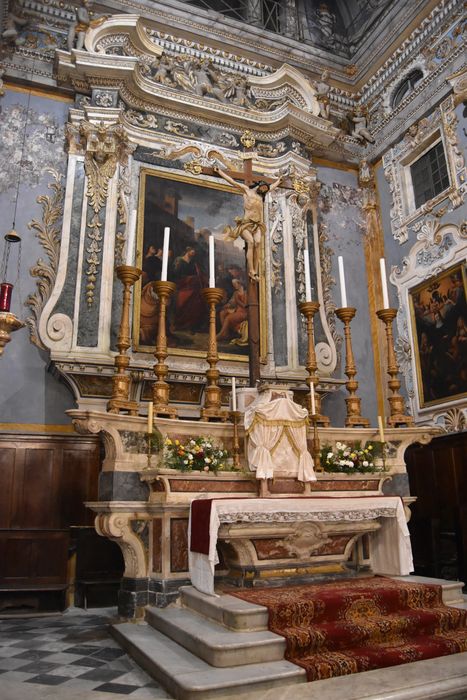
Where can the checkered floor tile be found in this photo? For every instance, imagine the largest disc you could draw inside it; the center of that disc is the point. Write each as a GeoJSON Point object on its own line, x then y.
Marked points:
{"type": "Point", "coordinates": [72, 651]}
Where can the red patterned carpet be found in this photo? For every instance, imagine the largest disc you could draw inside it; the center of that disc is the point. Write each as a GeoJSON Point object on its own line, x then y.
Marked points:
{"type": "Point", "coordinates": [357, 625]}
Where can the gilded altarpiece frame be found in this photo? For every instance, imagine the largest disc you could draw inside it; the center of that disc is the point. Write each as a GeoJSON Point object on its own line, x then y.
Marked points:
{"type": "Point", "coordinates": [192, 208]}
{"type": "Point", "coordinates": [438, 311]}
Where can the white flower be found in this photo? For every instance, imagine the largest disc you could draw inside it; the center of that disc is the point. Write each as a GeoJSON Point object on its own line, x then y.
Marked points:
{"type": "Point", "coordinates": [349, 463]}
{"type": "Point", "coordinates": [342, 462]}
{"type": "Point", "coordinates": [365, 463]}
{"type": "Point", "coordinates": [329, 455]}
{"type": "Point", "coordinates": [190, 456]}
{"type": "Point", "coordinates": [346, 453]}
{"type": "Point", "coordinates": [185, 461]}
{"type": "Point", "coordinates": [192, 442]}
{"type": "Point", "coordinates": [340, 446]}
{"type": "Point", "coordinates": [207, 460]}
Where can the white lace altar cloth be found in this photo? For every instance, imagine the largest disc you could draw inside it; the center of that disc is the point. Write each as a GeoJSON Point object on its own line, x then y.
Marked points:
{"type": "Point", "coordinates": [276, 437]}
{"type": "Point", "coordinates": [391, 551]}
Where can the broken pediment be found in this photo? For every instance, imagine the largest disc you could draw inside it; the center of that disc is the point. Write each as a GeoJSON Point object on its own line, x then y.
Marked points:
{"type": "Point", "coordinates": [124, 52]}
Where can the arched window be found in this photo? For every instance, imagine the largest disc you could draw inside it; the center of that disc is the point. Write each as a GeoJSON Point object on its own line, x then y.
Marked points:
{"type": "Point", "coordinates": [406, 86]}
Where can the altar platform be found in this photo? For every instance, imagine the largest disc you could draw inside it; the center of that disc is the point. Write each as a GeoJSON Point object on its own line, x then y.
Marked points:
{"type": "Point", "coordinates": [205, 647]}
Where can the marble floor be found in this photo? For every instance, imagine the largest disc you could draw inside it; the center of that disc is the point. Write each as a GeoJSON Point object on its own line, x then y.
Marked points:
{"type": "Point", "coordinates": [73, 657]}
{"type": "Point", "coordinates": [70, 657]}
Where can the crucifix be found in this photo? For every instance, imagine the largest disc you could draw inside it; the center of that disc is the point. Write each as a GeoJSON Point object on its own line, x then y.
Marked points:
{"type": "Point", "coordinates": [251, 228]}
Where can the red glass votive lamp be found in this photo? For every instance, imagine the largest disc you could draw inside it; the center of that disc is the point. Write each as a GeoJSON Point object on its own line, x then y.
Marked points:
{"type": "Point", "coordinates": [5, 296]}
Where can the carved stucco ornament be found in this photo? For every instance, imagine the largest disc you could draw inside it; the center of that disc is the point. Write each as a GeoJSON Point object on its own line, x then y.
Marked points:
{"type": "Point", "coordinates": [104, 147]}
{"type": "Point", "coordinates": [48, 234]}
{"type": "Point", "coordinates": [442, 122]}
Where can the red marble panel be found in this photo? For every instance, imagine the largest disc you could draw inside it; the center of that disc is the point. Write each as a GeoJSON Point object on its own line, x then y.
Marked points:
{"type": "Point", "coordinates": [157, 545]}
{"type": "Point", "coordinates": [344, 485]}
{"type": "Point", "coordinates": [211, 485]}
{"type": "Point", "coordinates": [286, 486]}
{"type": "Point", "coordinates": [178, 544]}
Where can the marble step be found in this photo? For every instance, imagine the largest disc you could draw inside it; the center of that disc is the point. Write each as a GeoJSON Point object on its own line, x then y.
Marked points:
{"type": "Point", "coordinates": [229, 611]}
{"type": "Point", "coordinates": [214, 643]}
{"type": "Point", "coordinates": [452, 590]}
{"type": "Point", "coordinates": [187, 677]}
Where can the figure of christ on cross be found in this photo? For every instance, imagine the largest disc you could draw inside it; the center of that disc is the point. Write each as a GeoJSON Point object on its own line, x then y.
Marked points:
{"type": "Point", "coordinates": [251, 227]}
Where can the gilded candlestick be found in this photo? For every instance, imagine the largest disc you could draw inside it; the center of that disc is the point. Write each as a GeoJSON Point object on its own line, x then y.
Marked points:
{"type": "Point", "coordinates": [120, 401]}
{"type": "Point", "coordinates": [353, 402]}
{"type": "Point", "coordinates": [8, 323]}
{"type": "Point", "coordinates": [308, 309]}
{"type": "Point", "coordinates": [235, 418]}
{"type": "Point", "coordinates": [396, 401]}
{"type": "Point", "coordinates": [161, 389]}
{"type": "Point", "coordinates": [212, 404]}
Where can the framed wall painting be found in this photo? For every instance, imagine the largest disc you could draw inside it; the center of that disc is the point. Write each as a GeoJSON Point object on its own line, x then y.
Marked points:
{"type": "Point", "coordinates": [438, 309]}
{"type": "Point", "coordinates": [193, 208]}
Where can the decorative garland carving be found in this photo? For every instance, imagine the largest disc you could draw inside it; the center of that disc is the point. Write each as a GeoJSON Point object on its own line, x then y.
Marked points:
{"type": "Point", "coordinates": [49, 237]}
{"type": "Point", "coordinates": [328, 281]}
{"type": "Point", "coordinates": [124, 192]}
{"type": "Point", "coordinates": [104, 147]}
{"type": "Point", "coordinates": [93, 257]}
{"type": "Point", "coordinates": [276, 223]}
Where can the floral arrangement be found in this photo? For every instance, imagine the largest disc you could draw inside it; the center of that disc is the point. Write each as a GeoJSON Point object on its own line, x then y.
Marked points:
{"type": "Point", "coordinates": [352, 459]}
{"type": "Point", "coordinates": [197, 454]}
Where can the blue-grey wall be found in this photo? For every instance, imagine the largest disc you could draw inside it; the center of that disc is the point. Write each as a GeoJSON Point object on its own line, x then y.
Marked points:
{"type": "Point", "coordinates": [30, 394]}
{"type": "Point", "coordinates": [340, 210]}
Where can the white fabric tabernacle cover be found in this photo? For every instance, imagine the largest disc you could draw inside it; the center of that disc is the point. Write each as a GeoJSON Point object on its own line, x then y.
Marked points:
{"type": "Point", "coordinates": [276, 437]}
{"type": "Point", "coordinates": [391, 551]}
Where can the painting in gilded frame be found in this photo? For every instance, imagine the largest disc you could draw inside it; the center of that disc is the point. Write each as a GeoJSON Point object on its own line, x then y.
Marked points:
{"type": "Point", "coordinates": [438, 309]}
{"type": "Point", "coordinates": [192, 209]}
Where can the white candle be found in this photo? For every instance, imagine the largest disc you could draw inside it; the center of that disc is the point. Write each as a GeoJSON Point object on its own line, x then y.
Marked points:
{"type": "Point", "coordinates": [150, 417]}
{"type": "Point", "coordinates": [306, 263]}
{"type": "Point", "coordinates": [212, 276]}
{"type": "Point", "coordinates": [130, 238]}
{"type": "Point", "coordinates": [340, 262]}
{"type": "Point", "coordinates": [165, 254]}
{"type": "Point", "coordinates": [384, 283]}
{"type": "Point", "coordinates": [380, 428]}
{"type": "Point", "coordinates": [234, 395]}
{"type": "Point", "coordinates": [313, 403]}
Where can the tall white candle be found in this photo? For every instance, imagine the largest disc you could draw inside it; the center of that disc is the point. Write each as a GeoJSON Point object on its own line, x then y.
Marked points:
{"type": "Point", "coordinates": [384, 283]}
{"type": "Point", "coordinates": [212, 276]}
{"type": "Point", "coordinates": [165, 254]}
{"type": "Point", "coordinates": [313, 403]}
{"type": "Point", "coordinates": [306, 263]}
{"type": "Point", "coordinates": [150, 416]}
{"type": "Point", "coordinates": [380, 428]}
{"type": "Point", "coordinates": [340, 262]}
{"type": "Point", "coordinates": [234, 395]}
{"type": "Point", "coordinates": [130, 239]}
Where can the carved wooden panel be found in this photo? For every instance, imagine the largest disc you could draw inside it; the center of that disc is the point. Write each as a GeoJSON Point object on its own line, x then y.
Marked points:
{"type": "Point", "coordinates": [44, 481]}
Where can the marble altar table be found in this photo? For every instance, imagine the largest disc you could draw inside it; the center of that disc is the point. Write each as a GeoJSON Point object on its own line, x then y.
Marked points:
{"type": "Point", "coordinates": [391, 552]}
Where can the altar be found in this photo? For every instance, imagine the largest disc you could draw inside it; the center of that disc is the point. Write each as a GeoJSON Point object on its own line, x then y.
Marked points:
{"type": "Point", "coordinates": [243, 522]}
